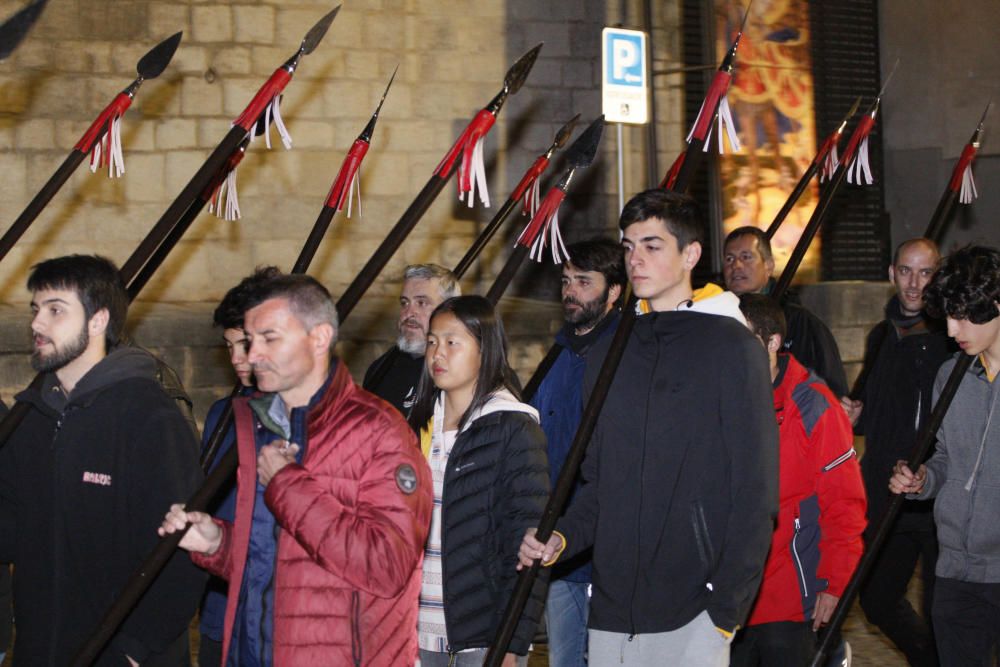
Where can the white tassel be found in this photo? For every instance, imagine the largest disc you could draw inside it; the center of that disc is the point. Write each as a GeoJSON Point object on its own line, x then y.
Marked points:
{"type": "Point", "coordinates": [273, 110]}
{"type": "Point", "coordinates": [532, 198]}
{"type": "Point", "coordinates": [478, 167]}
{"type": "Point", "coordinates": [559, 252]}
{"type": "Point", "coordinates": [232, 199]}
{"type": "Point", "coordinates": [968, 192]}
{"type": "Point", "coordinates": [352, 187]}
{"type": "Point", "coordinates": [860, 168]}
{"type": "Point", "coordinates": [726, 123]}
{"type": "Point", "coordinates": [695, 124]}
{"type": "Point", "coordinates": [830, 165]}
{"type": "Point", "coordinates": [116, 165]}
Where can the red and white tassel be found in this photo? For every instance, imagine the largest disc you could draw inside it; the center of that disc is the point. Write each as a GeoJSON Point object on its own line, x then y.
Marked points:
{"type": "Point", "coordinates": [726, 126]}
{"type": "Point", "coordinates": [830, 164]}
{"type": "Point", "coordinates": [225, 202]}
{"type": "Point", "coordinates": [859, 167]}
{"type": "Point", "coordinates": [532, 199]}
{"type": "Point", "coordinates": [352, 189]}
{"type": "Point", "coordinates": [273, 111]}
{"type": "Point", "coordinates": [473, 172]}
{"type": "Point", "coordinates": [108, 151]}
{"type": "Point", "coordinates": [968, 192]}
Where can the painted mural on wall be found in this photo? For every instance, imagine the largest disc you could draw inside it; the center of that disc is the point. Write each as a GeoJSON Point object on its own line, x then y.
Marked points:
{"type": "Point", "coordinates": [771, 97]}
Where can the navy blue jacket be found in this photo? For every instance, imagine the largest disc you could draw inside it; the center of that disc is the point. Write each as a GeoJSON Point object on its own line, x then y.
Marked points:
{"type": "Point", "coordinates": [559, 401]}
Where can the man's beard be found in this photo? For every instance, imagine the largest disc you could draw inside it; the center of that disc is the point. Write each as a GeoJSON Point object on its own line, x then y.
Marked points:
{"type": "Point", "coordinates": [415, 347]}
{"type": "Point", "coordinates": [61, 357]}
{"type": "Point", "coordinates": [590, 313]}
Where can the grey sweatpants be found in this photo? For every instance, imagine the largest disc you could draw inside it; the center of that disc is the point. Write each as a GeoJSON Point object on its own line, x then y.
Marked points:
{"type": "Point", "coordinates": [697, 644]}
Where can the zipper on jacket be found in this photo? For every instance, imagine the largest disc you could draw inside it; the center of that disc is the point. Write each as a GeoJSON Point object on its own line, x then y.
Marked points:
{"type": "Point", "coordinates": [638, 514]}
{"type": "Point", "coordinates": [798, 562]}
{"type": "Point", "coordinates": [356, 628]}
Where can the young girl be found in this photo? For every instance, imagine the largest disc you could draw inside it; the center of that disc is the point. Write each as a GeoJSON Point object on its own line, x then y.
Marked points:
{"type": "Point", "coordinates": [487, 455]}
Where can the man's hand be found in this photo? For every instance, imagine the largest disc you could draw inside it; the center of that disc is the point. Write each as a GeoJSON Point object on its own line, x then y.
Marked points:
{"type": "Point", "coordinates": [273, 458]}
{"type": "Point", "coordinates": [852, 408]}
{"type": "Point", "coordinates": [509, 660]}
{"type": "Point", "coordinates": [825, 604]}
{"type": "Point", "coordinates": [204, 537]}
{"type": "Point", "coordinates": [131, 661]}
{"type": "Point", "coordinates": [904, 481]}
{"type": "Point", "coordinates": [532, 549]}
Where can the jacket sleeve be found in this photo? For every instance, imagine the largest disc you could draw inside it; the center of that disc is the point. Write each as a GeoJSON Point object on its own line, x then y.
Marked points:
{"type": "Point", "coordinates": [750, 441]}
{"type": "Point", "coordinates": [164, 459]}
{"type": "Point", "coordinates": [841, 497]}
{"type": "Point", "coordinates": [8, 501]}
{"type": "Point", "coordinates": [373, 535]}
{"type": "Point", "coordinates": [220, 563]}
{"type": "Point", "coordinates": [522, 494]}
{"type": "Point", "coordinates": [876, 337]}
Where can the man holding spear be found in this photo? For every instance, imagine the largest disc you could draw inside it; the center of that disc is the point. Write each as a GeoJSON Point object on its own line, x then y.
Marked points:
{"type": "Point", "coordinates": [962, 475]}
{"type": "Point", "coordinates": [680, 482]}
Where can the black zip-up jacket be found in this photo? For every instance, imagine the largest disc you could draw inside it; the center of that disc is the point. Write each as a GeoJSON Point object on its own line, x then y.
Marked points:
{"type": "Point", "coordinates": [495, 487]}
{"type": "Point", "coordinates": [902, 358]}
{"type": "Point", "coordinates": [680, 480]}
{"type": "Point", "coordinates": [84, 484]}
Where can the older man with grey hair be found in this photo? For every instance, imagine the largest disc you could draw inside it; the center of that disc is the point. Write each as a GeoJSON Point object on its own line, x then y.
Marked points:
{"type": "Point", "coordinates": [394, 375]}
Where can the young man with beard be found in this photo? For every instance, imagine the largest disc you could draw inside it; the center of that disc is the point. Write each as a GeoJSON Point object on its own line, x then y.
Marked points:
{"type": "Point", "coordinates": [962, 475]}
{"type": "Point", "coordinates": [903, 355]}
{"type": "Point", "coordinates": [747, 265]}
{"type": "Point", "coordinates": [425, 286]}
{"type": "Point", "coordinates": [680, 481]}
{"type": "Point", "coordinates": [592, 283]}
{"type": "Point", "coordinates": [333, 502]}
{"type": "Point", "coordinates": [84, 477]}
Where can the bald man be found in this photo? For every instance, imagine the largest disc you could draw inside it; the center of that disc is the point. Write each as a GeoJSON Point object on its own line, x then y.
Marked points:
{"type": "Point", "coordinates": [903, 355]}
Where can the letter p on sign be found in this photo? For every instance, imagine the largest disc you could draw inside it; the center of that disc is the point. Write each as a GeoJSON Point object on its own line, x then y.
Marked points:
{"type": "Point", "coordinates": [625, 57]}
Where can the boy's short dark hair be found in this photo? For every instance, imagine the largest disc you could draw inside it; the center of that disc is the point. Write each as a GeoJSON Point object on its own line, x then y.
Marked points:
{"type": "Point", "coordinates": [97, 283]}
{"type": "Point", "coordinates": [764, 315]}
{"type": "Point", "coordinates": [966, 287]}
{"type": "Point", "coordinates": [602, 255]}
{"type": "Point", "coordinates": [230, 311]}
{"type": "Point", "coordinates": [680, 213]}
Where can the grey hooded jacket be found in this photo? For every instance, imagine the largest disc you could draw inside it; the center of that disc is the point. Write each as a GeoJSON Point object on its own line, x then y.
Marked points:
{"type": "Point", "coordinates": [964, 476]}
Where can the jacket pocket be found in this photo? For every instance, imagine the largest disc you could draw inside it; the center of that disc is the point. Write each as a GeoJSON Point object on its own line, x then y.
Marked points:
{"type": "Point", "coordinates": [356, 653]}
{"type": "Point", "coordinates": [702, 537]}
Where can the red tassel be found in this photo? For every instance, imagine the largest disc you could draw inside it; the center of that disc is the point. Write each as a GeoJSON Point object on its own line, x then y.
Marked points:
{"type": "Point", "coordinates": [105, 149]}
{"type": "Point", "coordinates": [271, 89]}
{"type": "Point", "coordinates": [702, 124]}
{"type": "Point", "coordinates": [340, 193]}
{"type": "Point", "coordinates": [527, 188]}
{"type": "Point", "coordinates": [468, 143]}
{"type": "Point", "coordinates": [540, 224]}
{"type": "Point", "coordinates": [961, 176]}
{"type": "Point", "coordinates": [675, 169]}
{"type": "Point", "coordinates": [862, 131]}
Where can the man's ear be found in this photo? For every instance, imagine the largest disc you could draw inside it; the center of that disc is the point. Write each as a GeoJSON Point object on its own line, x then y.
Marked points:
{"type": "Point", "coordinates": [892, 274]}
{"type": "Point", "coordinates": [690, 255]}
{"type": "Point", "coordinates": [774, 343]}
{"type": "Point", "coordinates": [321, 338]}
{"type": "Point", "coordinates": [614, 292]}
{"type": "Point", "coordinates": [98, 323]}
{"type": "Point", "coordinates": [769, 266]}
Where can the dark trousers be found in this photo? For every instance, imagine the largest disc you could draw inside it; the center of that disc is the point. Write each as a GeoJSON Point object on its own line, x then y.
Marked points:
{"type": "Point", "coordinates": [6, 613]}
{"type": "Point", "coordinates": [883, 594]}
{"type": "Point", "coordinates": [966, 622]}
{"type": "Point", "coordinates": [209, 653]}
{"type": "Point", "coordinates": [784, 644]}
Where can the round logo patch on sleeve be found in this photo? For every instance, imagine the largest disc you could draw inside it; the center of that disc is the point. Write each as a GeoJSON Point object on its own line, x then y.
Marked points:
{"type": "Point", "coordinates": [406, 478]}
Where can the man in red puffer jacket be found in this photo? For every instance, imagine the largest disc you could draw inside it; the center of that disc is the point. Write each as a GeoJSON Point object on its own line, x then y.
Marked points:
{"type": "Point", "coordinates": [821, 514]}
{"type": "Point", "coordinates": [333, 502]}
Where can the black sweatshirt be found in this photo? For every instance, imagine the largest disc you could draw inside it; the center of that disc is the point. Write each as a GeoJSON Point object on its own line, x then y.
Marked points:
{"type": "Point", "coordinates": [84, 484]}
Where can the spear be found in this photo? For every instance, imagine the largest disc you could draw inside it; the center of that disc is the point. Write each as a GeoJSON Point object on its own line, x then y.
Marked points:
{"type": "Point", "coordinates": [825, 162]}
{"type": "Point", "coordinates": [466, 156]}
{"type": "Point", "coordinates": [527, 188]}
{"type": "Point", "coordinates": [545, 223]}
{"type": "Point", "coordinates": [340, 193]}
{"type": "Point", "coordinates": [102, 139]}
{"type": "Point", "coordinates": [16, 28]}
{"type": "Point", "coordinates": [961, 187]}
{"type": "Point", "coordinates": [928, 435]}
{"type": "Point", "coordinates": [266, 103]}
{"type": "Point", "coordinates": [714, 106]}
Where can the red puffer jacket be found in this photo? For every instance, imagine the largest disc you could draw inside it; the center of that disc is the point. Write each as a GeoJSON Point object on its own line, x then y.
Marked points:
{"type": "Point", "coordinates": [354, 518]}
{"type": "Point", "coordinates": [817, 539]}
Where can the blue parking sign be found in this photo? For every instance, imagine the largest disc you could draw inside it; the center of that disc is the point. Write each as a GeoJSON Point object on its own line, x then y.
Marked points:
{"type": "Point", "coordinates": [624, 89]}
{"type": "Point", "coordinates": [624, 57]}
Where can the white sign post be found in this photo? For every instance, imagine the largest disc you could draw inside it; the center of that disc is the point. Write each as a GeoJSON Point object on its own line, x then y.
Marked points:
{"type": "Point", "coordinates": [624, 86]}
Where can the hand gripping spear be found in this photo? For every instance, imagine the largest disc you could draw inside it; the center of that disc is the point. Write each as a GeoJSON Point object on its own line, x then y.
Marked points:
{"type": "Point", "coordinates": [466, 157]}
{"type": "Point", "coordinates": [147, 249]}
{"type": "Point", "coordinates": [961, 187]}
{"type": "Point", "coordinates": [825, 163]}
{"type": "Point", "coordinates": [340, 194]}
{"type": "Point", "coordinates": [545, 222]}
{"type": "Point", "coordinates": [16, 28]}
{"type": "Point", "coordinates": [528, 190]}
{"type": "Point", "coordinates": [102, 140]}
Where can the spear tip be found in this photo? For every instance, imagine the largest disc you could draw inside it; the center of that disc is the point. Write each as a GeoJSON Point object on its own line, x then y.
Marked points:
{"type": "Point", "coordinates": [564, 133]}
{"type": "Point", "coordinates": [518, 72]}
{"type": "Point", "coordinates": [318, 31]}
{"type": "Point", "coordinates": [16, 27]}
{"type": "Point", "coordinates": [152, 64]}
{"type": "Point", "coordinates": [584, 149]}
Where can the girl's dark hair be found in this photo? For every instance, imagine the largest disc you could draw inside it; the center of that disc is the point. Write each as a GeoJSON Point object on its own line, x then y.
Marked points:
{"type": "Point", "coordinates": [479, 318]}
{"type": "Point", "coordinates": [966, 287]}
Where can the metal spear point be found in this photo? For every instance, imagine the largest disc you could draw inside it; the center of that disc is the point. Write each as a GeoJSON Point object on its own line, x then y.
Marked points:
{"type": "Point", "coordinates": [563, 135]}
{"type": "Point", "coordinates": [312, 39]}
{"type": "Point", "coordinates": [366, 134]}
{"type": "Point", "coordinates": [978, 134]}
{"type": "Point", "coordinates": [515, 78]}
{"type": "Point", "coordinates": [157, 58]}
{"type": "Point", "coordinates": [583, 151]}
{"type": "Point", "coordinates": [14, 29]}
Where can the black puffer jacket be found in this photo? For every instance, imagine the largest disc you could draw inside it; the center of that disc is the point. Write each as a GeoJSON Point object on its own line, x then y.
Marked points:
{"type": "Point", "coordinates": [495, 487]}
